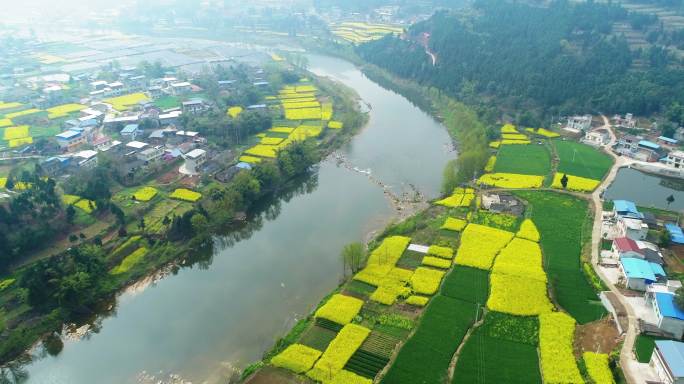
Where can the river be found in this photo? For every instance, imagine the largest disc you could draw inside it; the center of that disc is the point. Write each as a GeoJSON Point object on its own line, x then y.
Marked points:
{"type": "Point", "coordinates": [651, 191]}
{"type": "Point", "coordinates": [203, 320]}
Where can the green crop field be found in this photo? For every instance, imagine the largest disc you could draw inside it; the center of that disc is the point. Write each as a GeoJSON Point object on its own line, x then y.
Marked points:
{"type": "Point", "coordinates": [502, 350]}
{"type": "Point", "coordinates": [560, 220]}
{"type": "Point", "coordinates": [581, 160]}
{"type": "Point", "coordinates": [467, 284]}
{"type": "Point", "coordinates": [426, 356]}
{"type": "Point", "coordinates": [530, 159]}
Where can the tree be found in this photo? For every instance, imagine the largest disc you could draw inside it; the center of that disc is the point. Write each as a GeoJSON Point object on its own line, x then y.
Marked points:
{"type": "Point", "coordinates": [73, 238]}
{"type": "Point", "coordinates": [679, 297]}
{"type": "Point", "coordinates": [122, 231]}
{"type": "Point", "coordinates": [9, 184]}
{"type": "Point", "coordinates": [670, 199]}
{"type": "Point", "coordinates": [564, 181]}
{"type": "Point", "coordinates": [353, 256]}
{"type": "Point", "coordinates": [141, 224]}
{"type": "Point", "coordinates": [70, 213]}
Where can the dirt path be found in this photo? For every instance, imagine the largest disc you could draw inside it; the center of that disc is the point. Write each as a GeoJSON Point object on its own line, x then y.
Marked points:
{"type": "Point", "coordinates": [627, 359]}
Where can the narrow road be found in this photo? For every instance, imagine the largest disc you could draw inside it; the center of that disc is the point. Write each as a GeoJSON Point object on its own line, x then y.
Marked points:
{"type": "Point", "coordinates": [627, 359]}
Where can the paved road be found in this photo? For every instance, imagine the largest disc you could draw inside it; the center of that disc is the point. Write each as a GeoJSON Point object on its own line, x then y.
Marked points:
{"type": "Point", "coordinates": [630, 366]}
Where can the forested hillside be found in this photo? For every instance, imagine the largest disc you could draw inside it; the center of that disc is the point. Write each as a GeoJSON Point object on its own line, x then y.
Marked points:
{"type": "Point", "coordinates": [562, 58]}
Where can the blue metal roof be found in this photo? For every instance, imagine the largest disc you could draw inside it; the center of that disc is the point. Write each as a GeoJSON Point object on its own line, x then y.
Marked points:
{"type": "Point", "coordinates": [130, 128]}
{"type": "Point", "coordinates": [667, 305]}
{"type": "Point", "coordinates": [657, 269]}
{"type": "Point", "coordinates": [668, 140]}
{"type": "Point", "coordinates": [649, 144]}
{"type": "Point", "coordinates": [673, 353]}
{"type": "Point", "coordinates": [66, 135]}
{"type": "Point", "coordinates": [625, 206]}
{"type": "Point", "coordinates": [243, 165]}
{"type": "Point", "coordinates": [676, 233]}
{"type": "Point", "coordinates": [637, 269]}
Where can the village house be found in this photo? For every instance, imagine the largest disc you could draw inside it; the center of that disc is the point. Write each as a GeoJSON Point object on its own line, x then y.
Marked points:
{"type": "Point", "coordinates": [69, 140]}
{"type": "Point", "coordinates": [631, 228]}
{"type": "Point", "coordinates": [155, 92]}
{"type": "Point", "coordinates": [579, 123]}
{"type": "Point", "coordinates": [194, 106]}
{"type": "Point", "coordinates": [670, 318]}
{"type": "Point", "coordinates": [194, 160]}
{"type": "Point", "coordinates": [627, 144]}
{"type": "Point", "coordinates": [171, 117]}
{"type": "Point", "coordinates": [675, 159]}
{"type": "Point", "coordinates": [627, 122]}
{"type": "Point", "coordinates": [502, 203]}
{"type": "Point", "coordinates": [597, 138]}
{"type": "Point", "coordinates": [666, 141]}
{"type": "Point", "coordinates": [625, 208]}
{"type": "Point", "coordinates": [86, 159]}
{"type": "Point", "coordinates": [180, 88]}
{"type": "Point", "coordinates": [150, 155]}
{"type": "Point", "coordinates": [639, 273]}
{"type": "Point", "coordinates": [668, 361]}
{"type": "Point", "coordinates": [131, 131]}
{"type": "Point", "coordinates": [676, 233]}
{"type": "Point", "coordinates": [626, 247]}
{"type": "Point", "coordinates": [647, 151]}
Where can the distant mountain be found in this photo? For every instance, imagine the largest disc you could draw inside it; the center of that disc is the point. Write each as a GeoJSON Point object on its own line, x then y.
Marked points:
{"type": "Point", "coordinates": [560, 57]}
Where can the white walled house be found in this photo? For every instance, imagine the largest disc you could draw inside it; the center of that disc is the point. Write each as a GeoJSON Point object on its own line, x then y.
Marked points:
{"type": "Point", "coordinates": [675, 159]}
{"type": "Point", "coordinates": [668, 361]}
{"type": "Point", "coordinates": [195, 159]}
{"type": "Point", "coordinates": [634, 229]}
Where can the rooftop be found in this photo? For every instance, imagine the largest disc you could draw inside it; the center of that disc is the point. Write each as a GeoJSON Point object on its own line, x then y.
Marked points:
{"type": "Point", "coordinates": [673, 354]}
{"type": "Point", "coordinates": [677, 154]}
{"type": "Point", "coordinates": [667, 140]}
{"type": "Point", "coordinates": [667, 305]}
{"type": "Point", "coordinates": [130, 128]}
{"type": "Point", "coordinates": [86, 154]}
{"type": "Point", "coordinates": [638, 269]}
{"type": "Point", "coordinates": [649, 144]}
{"type": "Point", "coordinates": [625, 244]}
{"type": "Point", "coordinates": [195, 153]}
{"type": "Point", "coordinates": [136, 145]}
{"type": "Point", "coordinates": [676, 234]}
{"type": "Point", "coordinates": [66, 135]}
{"type": "Point", "coordinates": [624, 206]}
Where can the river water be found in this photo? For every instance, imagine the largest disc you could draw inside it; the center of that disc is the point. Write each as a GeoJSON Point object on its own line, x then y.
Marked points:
{"type": "Point", "coordinates": [645, 190]}
{"type": "Point", "coordinates": [223, 313]}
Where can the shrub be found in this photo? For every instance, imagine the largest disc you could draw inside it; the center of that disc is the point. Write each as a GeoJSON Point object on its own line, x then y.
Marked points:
{"type": "Point", "coordinates": [494, 144]}
{"type": "Point", "coordinates": [513, 136]}
{"type": "Point", "coordinates": [145, 194]}
{"type": "Point", "coordinates": [436, 262]}
{"type": "Point", "coordinates": [523, 160]}
{"type": "Point", "coordinates": [418, 301]}
{"type": "Point", "coordinates": [598, 368]}
{"type": "Point", "coordinates": [453, 224]}
{"type": "Point", "coordinates": [388, 292]}
{"type": "Point", "coordinates": [185, 195]}
{"type": "Point", "coordinates": [556, 332]}
{"type": "Point", "coordinates": [528, 231]}
{"type": "Point", "coordinates": [340, 308]}
{"type": "Point", "coordinates": [462, 197]}
{"type": "Point", "coordinates": [297, 358]}
{"type": "Point", "coordinates": [125, 102]}
{"type": "Point", "coordinates": [511, 180]}
{"type": "Point", "coordinates": [6, 283]}
{"type": "Point", "coordinates": [340, 350]}
{"type": "Point", "coordinates": [426, 281]}
{"type": "Point", "coordinates": [19, 142]}
{"type": "Point", "coordinates": [518, 142]}
{"type": "Point", "coordinates": [546, 133]}
{"type": "Point", "coordinates": [480, 244]}
{"type": "Point", "coordinates": [303, 114]}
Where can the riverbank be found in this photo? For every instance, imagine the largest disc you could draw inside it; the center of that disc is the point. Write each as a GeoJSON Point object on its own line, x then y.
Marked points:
{"type": "Point", "coordinates": [22, 329]}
